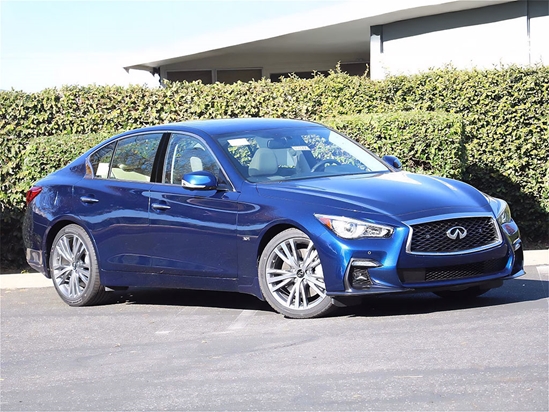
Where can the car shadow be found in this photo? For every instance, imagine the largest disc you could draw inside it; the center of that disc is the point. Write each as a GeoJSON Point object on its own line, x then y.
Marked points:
{"type": "Point", "coordinates": [514, 291]}
{"type": "Point", "coordinates": [186, 297]}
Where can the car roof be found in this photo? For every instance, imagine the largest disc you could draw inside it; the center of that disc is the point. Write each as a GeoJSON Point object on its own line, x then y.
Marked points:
{"type": "Point", "coordinates": [222, 126]}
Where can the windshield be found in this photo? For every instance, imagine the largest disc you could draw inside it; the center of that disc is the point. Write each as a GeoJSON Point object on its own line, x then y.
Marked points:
{"type": "Point", "coordinates": [284, 154]}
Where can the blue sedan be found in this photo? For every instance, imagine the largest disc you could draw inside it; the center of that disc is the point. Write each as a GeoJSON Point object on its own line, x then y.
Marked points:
{"type": "Point", "coordinates": [289, 211]}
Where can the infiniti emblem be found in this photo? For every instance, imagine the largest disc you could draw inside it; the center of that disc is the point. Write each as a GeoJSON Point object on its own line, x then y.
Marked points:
{"type": "Point", "coordinates": [456, 232]}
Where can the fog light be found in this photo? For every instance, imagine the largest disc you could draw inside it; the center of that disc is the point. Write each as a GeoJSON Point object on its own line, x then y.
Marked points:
{"type": "Point", "coordinates": [360, 278]}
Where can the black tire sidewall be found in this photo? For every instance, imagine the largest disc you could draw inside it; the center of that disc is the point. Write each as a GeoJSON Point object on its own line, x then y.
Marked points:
{"type": "Point", "coordinates": [94, 288]}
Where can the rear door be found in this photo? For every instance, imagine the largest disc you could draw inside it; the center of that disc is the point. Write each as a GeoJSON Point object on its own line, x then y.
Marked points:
{"type": "Point", "coordinates": [114, 202]}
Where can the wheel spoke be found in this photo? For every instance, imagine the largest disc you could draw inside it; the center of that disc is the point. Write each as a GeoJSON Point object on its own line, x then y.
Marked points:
{"type": "Point", "coordinates": [294, 254]}
{"type": "Point", "coordinates": [297, 288]}
{"type": "Point", "coordinates": [308, 254]}
{"type": "Point", "coordinates": [317, 282]}
{"type": "Point", "coordinates": [314, 263]}
{"type": "Point", "coordinates": [291, 296]}
{"type": "Point", "coordinates": [303, 295]}
{"type": "Point", "coordinates": [73, 285]}
{"type": "Point", "coordinates": [83, 275]}
{"type": "Point", "coordinates": [63, 248]}
{"type": "Point", "coordinates": [61, 273]}
{"type": "Point", "coordinates": [281, 284]}
{"type": "Point", "coordinates": [288, 275]}
{"type": "Point", "coordinates": [78, 249]}
{"type": "Point", "coordinates": [319, 292]}
{"type": "Point", "coordinates": [278, 272]}
{"type": "Point", "coordinates": [284, 253]}
{"type": "Point", "coordinates": [282, 256]}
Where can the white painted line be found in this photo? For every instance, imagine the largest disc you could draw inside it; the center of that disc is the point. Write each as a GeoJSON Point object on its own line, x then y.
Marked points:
{"type": "Point", "coordinates": [241, 320]}
{"type": "Point", "coordinates": [543, 271]}
{"type": "Point", "coordinates": [170, 325]}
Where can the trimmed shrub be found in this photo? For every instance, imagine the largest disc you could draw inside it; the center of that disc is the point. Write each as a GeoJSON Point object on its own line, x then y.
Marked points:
{"type": "Point", "coordinates": [504, 112]}
{"type": "Point", "coordinates": [425, 142]}
{"type": "Point", "coordinates": [37, 159]}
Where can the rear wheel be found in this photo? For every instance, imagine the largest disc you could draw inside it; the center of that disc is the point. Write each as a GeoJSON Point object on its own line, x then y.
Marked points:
{"type": "Point", "coordinates": [469, 293]}
{"type": "Point", "coordinates": [74, 269]}
{"type": "Point", "coordinates": [291, 277]}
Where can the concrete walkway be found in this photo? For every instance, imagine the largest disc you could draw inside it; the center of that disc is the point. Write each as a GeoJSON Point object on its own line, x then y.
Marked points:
{"type": "Point", "coordinates": [37, 280]}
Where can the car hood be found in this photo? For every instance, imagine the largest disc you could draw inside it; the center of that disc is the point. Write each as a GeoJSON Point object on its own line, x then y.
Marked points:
{"type": "Point", "coordinates": [401, 195]}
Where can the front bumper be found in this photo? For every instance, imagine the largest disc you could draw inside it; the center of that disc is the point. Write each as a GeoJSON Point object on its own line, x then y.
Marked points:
{"type": "Point", "coordinates": [374, 272]}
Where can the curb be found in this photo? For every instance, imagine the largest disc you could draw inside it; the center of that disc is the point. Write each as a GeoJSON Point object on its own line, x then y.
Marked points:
{"type": "Point", "coordinates": [37, 280]}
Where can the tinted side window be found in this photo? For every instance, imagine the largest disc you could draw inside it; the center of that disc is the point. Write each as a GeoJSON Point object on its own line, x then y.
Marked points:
{"type": "Point", "coordinates": [186, 154]}
{"type": "Point", "coordinates": [100, 161]}
{"type": "Point", "coordinates": [134, 157]}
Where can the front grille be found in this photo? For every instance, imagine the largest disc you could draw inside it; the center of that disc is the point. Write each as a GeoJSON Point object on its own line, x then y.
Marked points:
{"type": "Point", "coordinates": [469, 270]}
{"type": "Point", "coordinates": [432, 237]}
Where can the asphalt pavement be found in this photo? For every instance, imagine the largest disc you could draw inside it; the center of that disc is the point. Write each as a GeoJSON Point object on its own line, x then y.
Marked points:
{"type": "Point", "coordinates": [194, 350]}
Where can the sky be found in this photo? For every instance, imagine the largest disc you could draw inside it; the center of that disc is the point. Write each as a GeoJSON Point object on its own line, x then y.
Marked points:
{"type": "Point", "coordinates": [46, 44]}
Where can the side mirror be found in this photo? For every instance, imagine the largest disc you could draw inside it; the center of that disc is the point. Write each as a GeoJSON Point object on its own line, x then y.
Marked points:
{"type": "Point", "coordinates": [393, 162]}
{"type": "Point", "coordinates": [201, 180]}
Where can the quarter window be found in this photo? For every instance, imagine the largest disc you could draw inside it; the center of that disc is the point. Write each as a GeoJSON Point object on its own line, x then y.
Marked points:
{"type": "Point", "coordinates": [100, 161]}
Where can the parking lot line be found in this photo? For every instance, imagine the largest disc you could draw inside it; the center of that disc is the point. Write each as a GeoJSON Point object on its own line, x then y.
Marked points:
{"type": "Point", "coordinates": [241, 320]}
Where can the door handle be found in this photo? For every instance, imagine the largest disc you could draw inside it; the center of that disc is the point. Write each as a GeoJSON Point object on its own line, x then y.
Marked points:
{"type": "Point", "coordinates": [160, 206]}
{"type": "Point", "coordinates": [87, 199]}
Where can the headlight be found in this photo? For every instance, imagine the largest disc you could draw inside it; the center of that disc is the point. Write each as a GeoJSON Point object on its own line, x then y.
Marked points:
{"type": "Point", "coordinates": [348, 228]}
{"type": "Point", "coordinates": [504, 215]}
{"type": "Point", "coordinates": [501, 209]}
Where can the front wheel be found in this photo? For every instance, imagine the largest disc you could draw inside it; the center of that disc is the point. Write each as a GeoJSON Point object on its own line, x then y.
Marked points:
{"type": "Point", "coordinates": [74, 269]}
{"type": "Point", "coordinates": [291, 277]}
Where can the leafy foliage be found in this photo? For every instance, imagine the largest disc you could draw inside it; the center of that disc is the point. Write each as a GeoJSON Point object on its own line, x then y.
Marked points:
{"type": "Point", "coordinates": [503, 144]}
{"type": "Point", "coordinates": [425, 142]}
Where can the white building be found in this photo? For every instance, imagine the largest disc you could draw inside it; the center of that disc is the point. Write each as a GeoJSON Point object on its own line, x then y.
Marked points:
{"type": "Point", "coordinates": [390, 36]}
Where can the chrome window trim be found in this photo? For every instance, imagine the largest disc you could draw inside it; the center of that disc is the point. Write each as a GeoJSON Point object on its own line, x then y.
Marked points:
{"type": "Point", "coordinates": [438, 218]}
{"type": "Point", "coordinates": [88, 163]}
{"type": "Point", "coordinates": [161, 132]}
{"type": "Point", "coordinates": [207, 147]}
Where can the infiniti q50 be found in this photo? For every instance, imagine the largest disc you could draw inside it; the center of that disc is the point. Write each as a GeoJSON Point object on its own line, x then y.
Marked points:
{"type": "Point", "coordinates": [289, 211]}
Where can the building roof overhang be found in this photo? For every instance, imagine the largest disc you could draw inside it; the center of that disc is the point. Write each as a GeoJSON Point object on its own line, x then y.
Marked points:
{"type": "Point", "coordinates": [341, 28]}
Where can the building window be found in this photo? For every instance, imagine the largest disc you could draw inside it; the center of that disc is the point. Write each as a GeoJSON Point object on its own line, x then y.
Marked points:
{"type": "Point", "coordinates": [275, 77]}
{"type": "Point", "coordinates": [190, 76]}
{"type": "Point", "coordinates": [227, 76]}
{"type": "Point", "coordinates": [354, 69]}
{"type": "Point", "coordinates": [233, 76]}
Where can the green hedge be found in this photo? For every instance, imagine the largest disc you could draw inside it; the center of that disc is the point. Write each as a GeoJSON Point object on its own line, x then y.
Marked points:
{"type": "Point", "coordinates": [41, 156]}
{"type": "Point", "coordinates": [504, 116]}
{"type": "Point", "coordinates": [425, 142]}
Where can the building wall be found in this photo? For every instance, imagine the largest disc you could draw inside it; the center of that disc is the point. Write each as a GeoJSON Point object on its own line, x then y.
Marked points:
{"type": "Point", "coordinates": [538, 12]}
{"type": "Point", "coordinates": [511, 33]}
{"type": "Point", "coordinates": [267, 62]}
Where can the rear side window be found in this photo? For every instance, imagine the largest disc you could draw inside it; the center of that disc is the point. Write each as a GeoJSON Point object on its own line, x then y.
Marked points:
{"type": "Point", "coordinates": [131, 158]}
{"type": "Point", "coordinates": [101, 161]}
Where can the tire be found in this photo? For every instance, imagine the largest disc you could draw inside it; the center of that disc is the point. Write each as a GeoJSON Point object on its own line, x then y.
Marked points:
{"type": "Point", "coordinates": [469, 293]}
{"type": "Point", "coordinates": [291, 277]}
{"type": "Point", "coordinates": [74, 269]}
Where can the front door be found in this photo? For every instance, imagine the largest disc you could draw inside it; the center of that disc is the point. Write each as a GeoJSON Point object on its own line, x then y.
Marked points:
{"type": "Point", "coordinates": [193, 231]}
